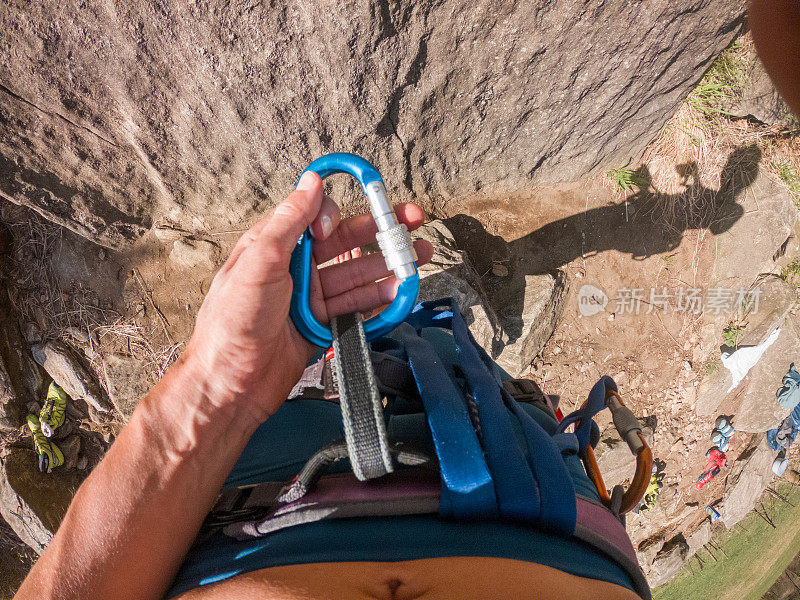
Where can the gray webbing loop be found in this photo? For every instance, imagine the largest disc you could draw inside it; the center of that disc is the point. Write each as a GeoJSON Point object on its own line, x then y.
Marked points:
{"type": "Point", "coordinates": [362, 411]}
{"type": "Point", "coordinates": [404, 454]}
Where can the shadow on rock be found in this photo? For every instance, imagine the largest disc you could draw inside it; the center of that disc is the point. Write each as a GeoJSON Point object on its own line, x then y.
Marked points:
{"type": "Point", "coordinates": [655, 224]}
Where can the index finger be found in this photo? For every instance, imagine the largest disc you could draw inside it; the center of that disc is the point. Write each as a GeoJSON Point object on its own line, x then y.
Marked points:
{"type": "Point", "coordinates": [361, 229]}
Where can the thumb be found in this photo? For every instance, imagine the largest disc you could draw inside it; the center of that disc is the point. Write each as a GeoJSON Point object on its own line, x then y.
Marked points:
{"type": "Point", "coordinates": [292, 216]}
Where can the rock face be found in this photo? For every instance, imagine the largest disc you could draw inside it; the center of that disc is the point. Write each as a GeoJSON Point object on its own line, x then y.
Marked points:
{"type": "Point", "coordinates": [699, 538]}
{"type": "Point", "coordinates": [537, 302]}
{"type": "Point", "coordinates": [450, 273]}
{"type": "Point", "coordinates": [748, 247]}
{"type": "Point", "coordinates": [31, 502]}
{"type": "Point", "coordinates": [761, 100]}
{"type": "Point", "coordinates": [668, 561]}
{"type": "Point", "coordinates": [66, 370]}
{"type": "Point", "coordinates": [191, 253]}
{"type": "Point", "coordinates": [753, 400]}
{"type": "Point", "coordinates": [750, 475]}
{"type": "Point", "coordinates": [126, 383]}
{"type": "Point", "coordinates": [20, 379]}
{"type": "Point", "coordinates": [117, 116]}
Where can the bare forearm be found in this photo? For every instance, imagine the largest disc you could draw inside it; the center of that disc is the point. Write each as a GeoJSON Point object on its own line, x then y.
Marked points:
{"type": "Point", "coordinates": [135, 517]}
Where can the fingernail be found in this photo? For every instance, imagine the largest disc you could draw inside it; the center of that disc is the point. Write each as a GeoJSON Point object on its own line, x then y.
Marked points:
{"type": "Point", "coordinates": [307, 181]}
{"type": "Point", "coordinates": [327, 225]}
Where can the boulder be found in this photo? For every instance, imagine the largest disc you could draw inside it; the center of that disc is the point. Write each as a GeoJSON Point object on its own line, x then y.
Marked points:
{"type": "Point", "coordinates": [529, 312]}
{"type": "Point", "coordinates": [191, 253]}
{"type": "Point", "coordinates": [10, 410]}
{"type": "Point", "coordinates": [753, 400]}
{"type": "Point", "coordinates": [116, 117]}
{"type": "Point", "coordinates": [750, 245]}
{"type": "Point", "coordinates": [759, 409]}
{"type": "Point", "coordinates": [759, 234]}
{"type": "Point", "coordinates": [66, 369]}
{"type": "Point", "coordinates": [669, 560]}
{"type": "Point", "coordinates": [761, 101]}
{"type": "Point", "coordinates": [16, 561]}
{"type": "Point", "coordinates": [71, 448]}
{"type": "Point", "coordinates": [699, 538]}
{"type": "Point", "coordinates": [31, 502]}
{"type": "Point", "coordinates": [531, 308]}
{"type": "Point", "coordinates": [749, 476]}
{"type": "Point", "coordinates": [125, 382]}
{"type": "Point", "coordinates": [450, 274]}
{"type": "Point", "coordinates": [21, 381]}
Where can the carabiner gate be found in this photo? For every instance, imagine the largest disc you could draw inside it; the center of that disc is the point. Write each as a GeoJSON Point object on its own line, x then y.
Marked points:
{"type": "Point", "coordinates": [394, 241]}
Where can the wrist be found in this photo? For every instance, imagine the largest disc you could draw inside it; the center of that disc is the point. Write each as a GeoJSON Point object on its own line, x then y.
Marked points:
{"type": "Point", "coordinates": [192, 393]}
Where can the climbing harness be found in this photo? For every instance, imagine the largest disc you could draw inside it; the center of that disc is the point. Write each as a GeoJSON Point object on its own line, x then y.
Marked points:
{"type": "Point", "coordinates": [489, 458]}
{"type": "Point", "coordinates": [482, 455]}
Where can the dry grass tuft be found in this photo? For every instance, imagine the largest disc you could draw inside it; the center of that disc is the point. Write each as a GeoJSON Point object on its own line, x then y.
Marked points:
{"type": "Point", "coordinates": [75, 314]}
{"type": "Point", "coordinates": [135, 340]}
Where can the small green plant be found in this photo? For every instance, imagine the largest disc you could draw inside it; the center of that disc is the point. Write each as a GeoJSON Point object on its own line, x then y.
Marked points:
{"type": "Point", "coordinates": [732, 334]}
{"type": "Point", "coordinates": [722, 83]}
{"type": "Point", "coordinates": [625, 179]}
{"type": "Point", "coordinates": [708, 98]}
{"type": "Point", "coordinates": [791, 272]}
{"type": "Point", "coordinates": [668, 260]}
{"type": "Point", "coordinates": [789, 175]}
{"type": "Point", "coordinates": [712, 366]}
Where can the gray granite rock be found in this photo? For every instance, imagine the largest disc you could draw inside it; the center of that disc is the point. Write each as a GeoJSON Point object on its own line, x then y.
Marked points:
{"type": "Point", "coordinates": [749, 476]}
{"type": "Point", "coordinates": [203, 114]}
{"type": "Point", "coordinates": [669, 560]}
{"type": "Point", "coordinates": [31, 502]}
{"type": "Point", "coordinates": [66, 369]}
{"type": "Point", "coordinates": [125, 382]}
{"type": "Point", "coordinates": [761, 100]}
{"type": "Point", "coordinates": [532, 309]}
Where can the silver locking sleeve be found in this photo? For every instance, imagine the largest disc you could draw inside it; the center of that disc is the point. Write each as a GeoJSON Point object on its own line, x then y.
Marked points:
{"type": "Point", "coordinates": [392, 237]}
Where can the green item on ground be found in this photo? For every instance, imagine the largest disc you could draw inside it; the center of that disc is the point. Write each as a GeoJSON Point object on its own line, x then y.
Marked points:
{"type": "Point", "coordinates": [52, 415]}
{"type": "Point", "coordinates": [50, 456]}
{"type": "Point", "coordinates": [652, 492]}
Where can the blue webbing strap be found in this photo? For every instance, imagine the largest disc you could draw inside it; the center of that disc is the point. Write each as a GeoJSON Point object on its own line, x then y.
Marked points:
{"type": "Point", "coordinates": [559, 511]}
{"type": "Point", "coordinates": [467, 487]}
{"type": "Point", "coordinates": [517, 494]}
{"type": "Point", "coordinates": [556, 494]}
{"type": "Point", "coordinates": [587, 431]}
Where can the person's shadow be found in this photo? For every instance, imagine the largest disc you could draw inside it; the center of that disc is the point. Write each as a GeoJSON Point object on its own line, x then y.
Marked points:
{"type": "Point", "coordinates": [655, 224]}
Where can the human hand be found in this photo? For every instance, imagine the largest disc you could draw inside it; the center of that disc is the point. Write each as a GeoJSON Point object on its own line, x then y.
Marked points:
{"type": "Point", "coordinates": [245, 348]}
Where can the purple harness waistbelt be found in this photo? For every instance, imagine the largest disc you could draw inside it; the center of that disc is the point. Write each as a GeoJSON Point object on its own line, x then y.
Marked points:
{"type": "Point", "coordinates": [404, 492]}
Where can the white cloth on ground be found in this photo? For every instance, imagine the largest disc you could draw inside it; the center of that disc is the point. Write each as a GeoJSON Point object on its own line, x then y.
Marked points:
{"type": "Point", "coordinates": [742, 360]}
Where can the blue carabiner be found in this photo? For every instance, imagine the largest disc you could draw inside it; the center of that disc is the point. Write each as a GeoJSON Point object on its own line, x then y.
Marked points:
{"type": "Point", "coordinates": [395, 245]}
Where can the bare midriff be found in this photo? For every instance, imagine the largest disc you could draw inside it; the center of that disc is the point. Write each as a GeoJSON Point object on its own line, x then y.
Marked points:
{"type": "Point", "coordinates": [440, 578]}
